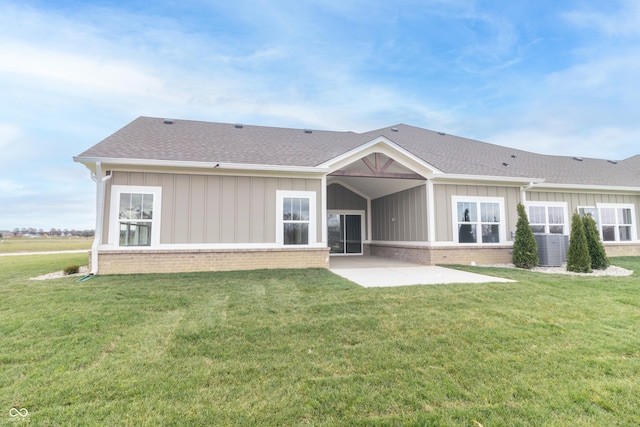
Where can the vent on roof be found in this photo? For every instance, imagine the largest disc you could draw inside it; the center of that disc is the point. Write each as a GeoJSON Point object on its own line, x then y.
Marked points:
{"type": "Point", "coordinates": [441, 133]}
{"type": "Point", "coordinates": [579, 159]}
{"type": "Point", "coordinates": [308, 131]}
{"type": "Point", "coordinates": [613, 162]}
{"type": "Point", "coordinates": [238, 125]}
{"type": "Point", "coordinates": [513, 156]}
{"type": "Point", "coordinates": [168, 121]}
{"type": "Point", "coordinates": [394, 129]}
{"type": "Point", "coordinates": [505, 164]}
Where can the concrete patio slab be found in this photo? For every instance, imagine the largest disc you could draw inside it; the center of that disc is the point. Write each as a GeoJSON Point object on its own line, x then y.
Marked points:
{"type": "Point", "coordinates": [372, 271]}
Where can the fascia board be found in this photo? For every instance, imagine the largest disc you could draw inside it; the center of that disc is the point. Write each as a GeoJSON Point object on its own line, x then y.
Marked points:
{"type": "Point", "coordinates": [585, 188]}
{"type": "Point", "coordinates": [201, 165]}
{"type": "Point", "coordinates": [486, 179]}
{"type": "Point", "coordinates": [387, 147]}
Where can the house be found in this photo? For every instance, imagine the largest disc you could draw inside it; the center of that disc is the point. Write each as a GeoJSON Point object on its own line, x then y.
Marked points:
{"type": "Point", "coordinates": [180, 195]}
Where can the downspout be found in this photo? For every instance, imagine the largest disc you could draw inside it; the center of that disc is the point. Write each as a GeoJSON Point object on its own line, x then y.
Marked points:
{"type": "Point", "coordinates": [100, 194]}
{"type": "Point", "coordinates": [523, 192]}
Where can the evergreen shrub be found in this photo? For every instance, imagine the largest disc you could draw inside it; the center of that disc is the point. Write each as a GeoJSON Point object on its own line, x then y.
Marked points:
{"type": "Point", "coordinates": [525, 248]}
{"type": "Point", "coordinates": [578, 259]}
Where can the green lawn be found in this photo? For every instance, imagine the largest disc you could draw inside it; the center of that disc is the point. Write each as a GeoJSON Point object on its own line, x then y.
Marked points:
{"type": "Point", "coordinates": [43, 244]}
{"type": "Point", "coordinates": [309, 348]}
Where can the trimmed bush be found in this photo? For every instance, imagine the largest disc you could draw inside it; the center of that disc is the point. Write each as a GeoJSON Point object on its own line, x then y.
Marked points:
{"type": "Point", "coordinates": [71, 269]}
{"type": "Point", "coordinates": [578, 259]}
{"type": "Point", "coordinates": [599, 260]}
{"type": "Point", "coordinates": [525, 248]}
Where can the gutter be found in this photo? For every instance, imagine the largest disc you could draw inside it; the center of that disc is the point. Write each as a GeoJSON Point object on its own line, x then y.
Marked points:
{"type": "Point", "coordinates": [200, 165]}
{"type": "Point", "coordinates": [523, 192]}
{"type": "Point", "coordinates": [101, 182]}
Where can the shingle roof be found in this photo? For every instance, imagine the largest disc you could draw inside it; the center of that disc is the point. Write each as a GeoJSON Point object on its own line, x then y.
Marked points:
{"type": "Point", "coordinates": [149, 138]}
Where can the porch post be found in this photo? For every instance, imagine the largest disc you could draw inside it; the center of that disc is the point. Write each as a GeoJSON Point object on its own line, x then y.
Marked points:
{"type": "Point", "coordinates": [431, 213]}
{"type": "Point", "coordinates": [323, 212]}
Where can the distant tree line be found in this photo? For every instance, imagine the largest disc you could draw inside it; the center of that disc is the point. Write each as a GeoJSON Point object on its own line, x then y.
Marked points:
{"type": "Point", "coordinates": [54, 232]}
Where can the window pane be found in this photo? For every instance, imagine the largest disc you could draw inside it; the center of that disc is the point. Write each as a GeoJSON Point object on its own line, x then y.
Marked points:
{"type": "Point", "coordinates": [125, 206]}
{"type": "Point", "coordinates": [296, 234]}
{"type": "Point", "coordinates": [537, 228]}
{"type": "Point", "coordinates": [536, 215]}
{"type": "Point", "coordinates": [467, 233]}
{"type": "Point", "coordinates": [147, 206]}
{"type": "Point", "coordinates": [490, 212]}
{"type": "Point", "coordinates": [304, 209]}
{"type": "Point", "coordinates": [608, 233]}
{"type": "Point", "coordinates": [467, 212]}
{"type": "Point", "coordinates": [135, 234]}
{"type": "Point", "coordinates": [136, 206]}
{"type": "Point", "coordinates": [556, 215]}
{"type": "Point", "coordinates": [625, 233]}
{"type": "Point", "coordinates": [624, 216]}
{"type": "Point", "coordinates": [491, 233]}
{"type": "Point", "coordinates": [556, 229]}
{"type": "Point", "coordinates": [287, 208]}
{"type": "Point", "coordinates": [608, 215]}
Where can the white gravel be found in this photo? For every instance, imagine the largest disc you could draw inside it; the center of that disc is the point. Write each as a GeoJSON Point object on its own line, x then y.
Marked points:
{"type": "Point", "coordinates": [59, 274]}
{"type": "Point", "coordinates": [613, 270]}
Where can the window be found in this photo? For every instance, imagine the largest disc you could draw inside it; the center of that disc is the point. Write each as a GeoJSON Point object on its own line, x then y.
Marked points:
{"type": "Point", "coordinates": [478, 219]}
{"type": "Point", "coordinates": [615, 222]}
{"type": "Point", "coordinates": [134, 215]}
{"type": "Point", "coordinates": [296, 217]}
{"type": "Point", "coordinates": [548, 217]}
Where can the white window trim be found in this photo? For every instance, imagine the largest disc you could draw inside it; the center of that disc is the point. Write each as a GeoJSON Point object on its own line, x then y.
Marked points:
{"type": "Point", "coordinates": [630, 206]}
{"type": "Point", "coordinates": [280, 196]}
{"type": "Point", "coordinates": [114, 220]}
{"type": "Point", "coordinates": [502, 226]}
{"type": "Point", "coordinates": [564, 205]}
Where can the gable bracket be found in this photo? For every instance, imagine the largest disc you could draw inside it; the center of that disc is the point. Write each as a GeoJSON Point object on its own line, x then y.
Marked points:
{"type": "Point", "coordinates": [377, 174]}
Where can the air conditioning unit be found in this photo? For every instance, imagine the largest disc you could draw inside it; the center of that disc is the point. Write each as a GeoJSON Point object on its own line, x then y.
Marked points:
{"type": "Point", "coordinates": [552, 249]}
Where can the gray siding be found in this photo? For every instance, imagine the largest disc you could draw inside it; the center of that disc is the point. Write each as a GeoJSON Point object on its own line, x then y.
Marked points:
{"type": "Point", "coordinates": [443, 208]}
{"type": "Point", "coordinates": [341, 198]}
{"type": "Point", "coordinates": [574, 200]}
{"type": "Point", "coordinates": [217, 208]}
{"type": "Point", "coordinates": [400, 216]}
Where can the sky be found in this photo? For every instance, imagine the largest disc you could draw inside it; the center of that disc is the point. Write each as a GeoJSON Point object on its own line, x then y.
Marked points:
{"type": "Point", "coordinates": [551, 77]}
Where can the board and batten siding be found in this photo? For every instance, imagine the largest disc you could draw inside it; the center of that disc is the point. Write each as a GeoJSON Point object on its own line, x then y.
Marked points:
{"type": "Point", "coordinates": [341, 198]}
{"type": "Point", "coordinates": [201, 209]}
{"type": "Point", "coordinates": [401, 216]}
{"type": "Point", "coordinates": [443, 207]}
{"type": "Point", "coordinates": [575, 200]}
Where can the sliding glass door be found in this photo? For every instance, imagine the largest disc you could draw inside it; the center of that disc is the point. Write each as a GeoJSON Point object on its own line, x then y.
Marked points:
{"type": "Point", "coordinates": [345, 233]}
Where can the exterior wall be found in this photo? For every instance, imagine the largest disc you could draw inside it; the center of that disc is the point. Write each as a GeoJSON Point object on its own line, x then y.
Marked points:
{"type": "Point", "coordinates": [443, 206]}
{"type": "Point", "coordinates": [200, 209]}
{"type": "Point", "coordinates": [340, 198]}
{"type": "Point", "coordinates": [574, 200]}
{"type": "Point", "coordinates": [430, 255]}
{"type": "Point", "coordinates": [401, 216]}
{"type": "Point", "coordinates": [178, 261]}
{"type": "Point", "coordinates": [621, 249]}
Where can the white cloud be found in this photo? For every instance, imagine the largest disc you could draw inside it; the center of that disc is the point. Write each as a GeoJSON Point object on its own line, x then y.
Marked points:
{"type": "Point", "coordinates": [9, 133]}
{"type": "Point", "coordinates": [78, 72]}
{"type": "Point", "coordinates": [8, 186]}
{"type": "Point", "coordinates": [614, 18]}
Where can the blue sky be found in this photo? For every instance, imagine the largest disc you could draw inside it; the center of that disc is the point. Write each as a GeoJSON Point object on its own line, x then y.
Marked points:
{"type": "Point", "coordinates": [545, 76]}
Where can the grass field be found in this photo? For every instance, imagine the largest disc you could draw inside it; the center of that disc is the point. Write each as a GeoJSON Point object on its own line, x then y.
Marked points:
{"type": "Point", "coordinates": [24, 244]}
{"type": "Point", "coordinates": [309, 348]}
